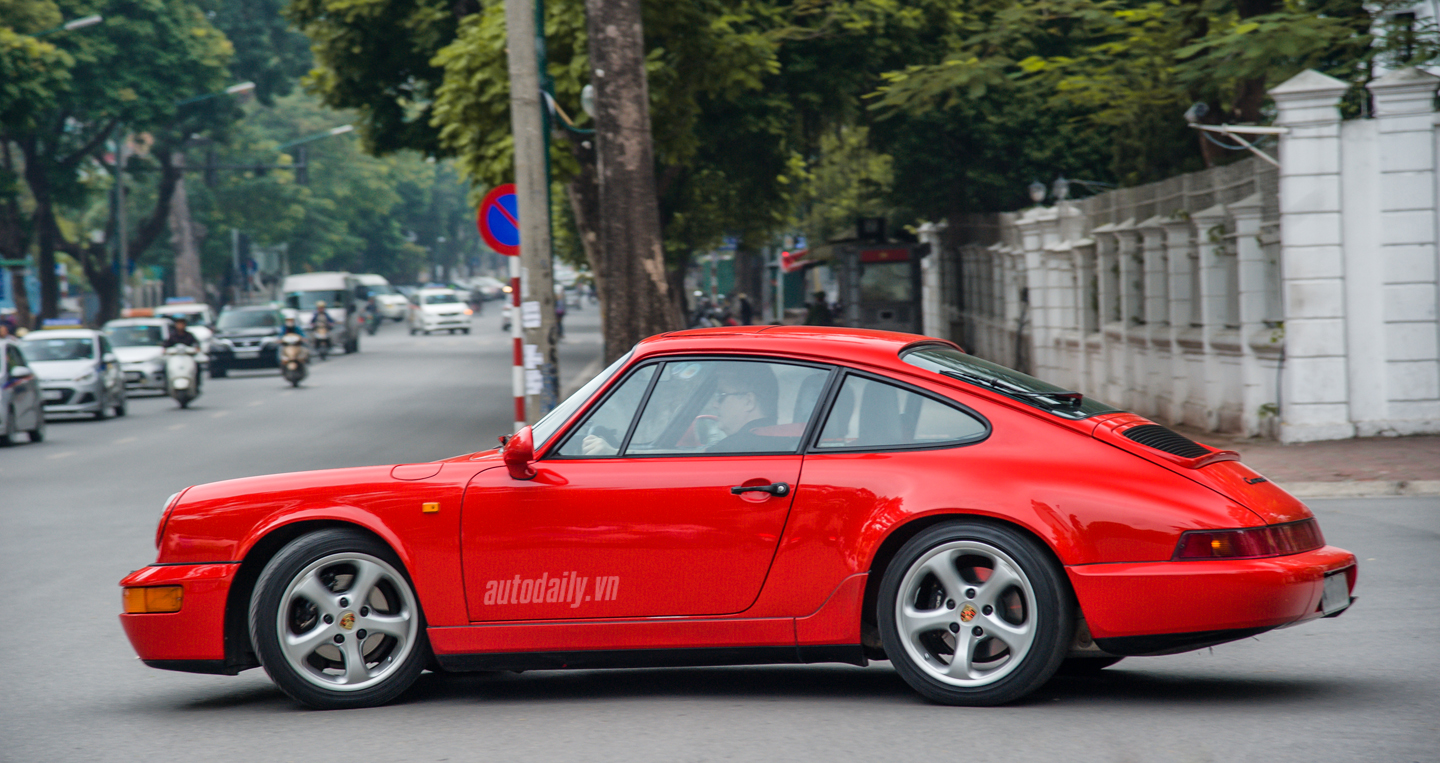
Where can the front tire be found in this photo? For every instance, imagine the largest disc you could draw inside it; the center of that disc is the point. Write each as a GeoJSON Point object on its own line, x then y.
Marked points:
{"type": "Point", "coordinates": [974, 614]}
{"type": "Point", "coordinates": [338, 584]}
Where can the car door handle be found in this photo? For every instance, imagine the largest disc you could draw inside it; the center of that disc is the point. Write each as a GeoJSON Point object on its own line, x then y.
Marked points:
{"type": "Point", "coordinates": [775, 489]}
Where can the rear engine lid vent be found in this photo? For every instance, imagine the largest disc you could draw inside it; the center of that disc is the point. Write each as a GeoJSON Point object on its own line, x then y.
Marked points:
{"type": "Point", "coordinates": [1160, 438]}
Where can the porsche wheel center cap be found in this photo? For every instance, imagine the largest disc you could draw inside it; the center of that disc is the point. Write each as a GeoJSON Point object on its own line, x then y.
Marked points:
{"type": "Point", "coordinates": [347, 620]}
{"type": "Point", "coordinates": [967, 613]}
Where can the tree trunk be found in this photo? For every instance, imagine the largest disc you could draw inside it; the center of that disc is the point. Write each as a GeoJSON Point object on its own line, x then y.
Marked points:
{"type": "Point", "coordinates": [14, 241]}
{"type": "Point", "coordinates": [636, 301]}
{"type": "Point", "coordinates": [584, 195]}
{"type": "Point", "coordinates": [185, 239]}
{"type": "Point", "coordinates": [42, 220]}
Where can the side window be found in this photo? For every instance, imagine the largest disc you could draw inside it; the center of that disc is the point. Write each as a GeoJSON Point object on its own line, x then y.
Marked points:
{"type": "Point", "coordinates": [727, 406]}
{"type": "Point", "coordinates": [603, 432]}
{"type": "Point", "coordinates": [105, 346]}
{"type": "Point", "coordinates": [873, 415]}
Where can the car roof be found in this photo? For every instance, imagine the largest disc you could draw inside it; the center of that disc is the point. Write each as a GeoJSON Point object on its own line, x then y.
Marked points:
{"type": "Point", "coordinates": [138, 322]}
{"type": "Point", "coordinates": [182, 307]}
{"type": "Point", "coordinates": [62, 334]}
{"type": "Point", "coordinates": [819, 343]}
{"type": "Point", "coordinates": [251, 308]}
{"type": "Point", "coordinates": [435, 289]}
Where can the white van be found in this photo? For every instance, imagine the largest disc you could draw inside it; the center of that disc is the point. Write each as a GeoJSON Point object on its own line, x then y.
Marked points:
{"type": "Point", "coordinates": [391, 303]}
{"type": "Point", "coordinates": [341, 294]}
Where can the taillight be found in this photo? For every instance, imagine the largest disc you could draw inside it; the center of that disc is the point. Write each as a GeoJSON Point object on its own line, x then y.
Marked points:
{"type": "Point", "coordinates": [1251, 542]}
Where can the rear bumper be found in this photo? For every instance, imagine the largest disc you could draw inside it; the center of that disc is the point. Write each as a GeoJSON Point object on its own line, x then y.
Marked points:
{"type": "Point", "coordinates": [1158, 607]}
{"type": "Point", "coordinates": [194, 634]}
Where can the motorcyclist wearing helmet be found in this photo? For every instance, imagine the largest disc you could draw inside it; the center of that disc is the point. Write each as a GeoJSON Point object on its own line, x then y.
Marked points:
{"type": "Point", "coordinates": [321, 317]}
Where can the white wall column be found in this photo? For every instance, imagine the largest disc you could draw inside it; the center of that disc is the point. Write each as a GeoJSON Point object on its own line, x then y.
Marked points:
{"type": "Point", "coordinates": [1410, 374]}
{"type": "Point", "coordinates": [1315, 403]}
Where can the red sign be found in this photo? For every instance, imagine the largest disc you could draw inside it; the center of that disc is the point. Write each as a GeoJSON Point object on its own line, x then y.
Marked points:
{"type": "Point", "coordinates": [884, 255]}
{"type": "Point", "coordinates": [499, 220]}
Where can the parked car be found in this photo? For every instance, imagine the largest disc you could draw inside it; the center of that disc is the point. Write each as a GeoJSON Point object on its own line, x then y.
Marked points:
{"type": "Point", "coordinates": [977, 527]}
{"type": "Point", "coordinates": [246, 337]}
{"type": "Point", "coordinates": [20, 405]}
{"type": "Point", "coordinates": [79, 371]}
{"type": "Point", "coordinates": [491, 288]}
{"type": "Point", "coordinates": [140, 345]}
{"type": "Point", "coordinates": [391, 303]}
{"type": "Point", "coordinates": [439, 310]}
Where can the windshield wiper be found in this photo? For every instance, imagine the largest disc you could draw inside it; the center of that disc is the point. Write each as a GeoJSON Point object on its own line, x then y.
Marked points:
{"type": "Point", "coordinates": [1068, 399]}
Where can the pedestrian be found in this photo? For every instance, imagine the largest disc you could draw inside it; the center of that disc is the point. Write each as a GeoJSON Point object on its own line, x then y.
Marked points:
{"type": "Point", "coordinates": [819, 312]}
{"type": "Point", "coordinates": [560, 314]}
{"type": "Point", "coordinates": [747, 311]}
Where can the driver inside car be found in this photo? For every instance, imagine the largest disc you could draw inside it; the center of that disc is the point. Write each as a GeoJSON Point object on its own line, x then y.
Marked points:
{"type": "Point", "coordinates": [745, 399]}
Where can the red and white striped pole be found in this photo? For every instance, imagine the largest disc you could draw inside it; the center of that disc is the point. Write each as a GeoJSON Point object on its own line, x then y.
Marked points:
{"type": "Point", "coordinates": [517, 336]}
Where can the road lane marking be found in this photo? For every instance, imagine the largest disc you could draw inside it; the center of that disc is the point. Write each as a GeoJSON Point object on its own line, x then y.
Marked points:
{"type": "Point", "coordinates": [218, 415]}
{"type": "Point", "coordinates": [174, 427]}
{"type": "Point", "coordinates": [126, 440]}
{"type": "Point", "coordinates": [66, 454]}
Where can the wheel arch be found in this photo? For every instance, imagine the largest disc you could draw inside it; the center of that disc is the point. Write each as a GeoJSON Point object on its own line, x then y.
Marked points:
{"type": "Point", "coordinates": [900, 535]}
{"type": "Point", "coordinates": [239, 651]}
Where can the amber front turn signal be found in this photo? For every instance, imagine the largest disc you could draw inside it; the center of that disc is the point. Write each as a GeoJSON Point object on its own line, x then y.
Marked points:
{"type": "Point", "coordinates": [140, 601]}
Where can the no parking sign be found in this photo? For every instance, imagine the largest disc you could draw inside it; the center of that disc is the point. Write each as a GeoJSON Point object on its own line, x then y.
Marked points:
{"type": "Point", "coordinates": [499, 220]}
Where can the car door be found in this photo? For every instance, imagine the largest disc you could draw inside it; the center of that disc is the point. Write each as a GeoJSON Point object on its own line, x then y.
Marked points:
{"type": "Point", "coordinates": [644, 510]}
{"type": "Point", "coordinates": [24, 390]}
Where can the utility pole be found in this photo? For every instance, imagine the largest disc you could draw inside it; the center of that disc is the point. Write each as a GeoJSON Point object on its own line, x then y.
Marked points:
{"type": "Point", "coordinates": [539, 380]}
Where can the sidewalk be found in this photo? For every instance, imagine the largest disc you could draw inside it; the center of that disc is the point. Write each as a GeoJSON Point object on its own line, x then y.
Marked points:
{"type": "Point", "coordinates": [1370, 466]}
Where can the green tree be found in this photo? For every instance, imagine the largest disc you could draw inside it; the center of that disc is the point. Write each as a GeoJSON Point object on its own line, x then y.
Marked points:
{"type": "Point", "coordinates": [131, 70]}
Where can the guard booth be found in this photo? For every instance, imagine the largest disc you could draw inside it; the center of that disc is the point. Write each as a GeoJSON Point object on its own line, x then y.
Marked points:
{"type": "Point", "coordinates": [879, 285]}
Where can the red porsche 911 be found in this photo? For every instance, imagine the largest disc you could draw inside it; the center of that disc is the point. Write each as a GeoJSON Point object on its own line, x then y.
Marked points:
{"type": "Point", "coordinates": [742, 496]}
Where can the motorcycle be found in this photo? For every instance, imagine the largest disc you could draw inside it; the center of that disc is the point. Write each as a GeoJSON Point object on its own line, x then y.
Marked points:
{"type": "Point", "coordinates": [372, 318]}
{"type": "Point", "coordinates": [293, 358]}
{"type": "Point", "coordinates": [322, 340]}
{"type": "Point", "coordinates": [182, 373]}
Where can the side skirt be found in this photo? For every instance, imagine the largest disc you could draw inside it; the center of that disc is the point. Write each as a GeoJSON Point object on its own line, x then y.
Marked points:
{"type": "Point", "coordinates": [851, 654]}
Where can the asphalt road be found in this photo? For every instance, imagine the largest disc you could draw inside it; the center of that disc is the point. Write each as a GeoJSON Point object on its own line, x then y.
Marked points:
{"type": "Point", "coordinates": [79, 511]}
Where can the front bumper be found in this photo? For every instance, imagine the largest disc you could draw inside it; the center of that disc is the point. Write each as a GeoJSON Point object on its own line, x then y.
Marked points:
{"type": "Point", "coordinates": [1165, 607]}
{"type": "Point", "coordinates": [143, 376]}
{"type": "Point", "coordinates": [457, 320]}
{"type": "Point", "coordinates": [247, 355]}
{"type": "Point", "coordinates": [192, 639]}
{"type": "Point", "coordinates": [68, 397]}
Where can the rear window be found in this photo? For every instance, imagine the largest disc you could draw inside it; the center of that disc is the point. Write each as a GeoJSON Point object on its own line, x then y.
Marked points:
{"type": "Point", "coordinates": [950, 362]}
{"type": "Point", "coordinates": [136, 336]}
{"type": "Point", "coordinates": [441, 299]}
{"type": "Point", "coordinates": [250, 319]}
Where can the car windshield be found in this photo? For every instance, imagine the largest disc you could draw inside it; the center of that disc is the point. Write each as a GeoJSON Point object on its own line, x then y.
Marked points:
{"type": "Point", "coordinates": [441, 299]}
{"type": "Point", "coordinates": [249, 319]}
{"type": "Point", "coordinates": [67, 348]}
{"type": "Point", "coordinates": [546, 427]}
{"type": "Point", "coordinates": [194, 319]}
{"type": "Point", "coordinates": [305, 300]}
{"type": "Point", "coordinates": [378, 289]}
{"type": "Point", "coordinates": [136, 336]}
{"type": "Point", "coordinates": [955, 364]}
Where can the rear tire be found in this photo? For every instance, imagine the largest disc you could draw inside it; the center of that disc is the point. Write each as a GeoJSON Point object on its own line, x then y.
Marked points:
{"type": "Point", "coordinates": [974, 614]}
{"type": "Point", "coordinates": [338, 584]}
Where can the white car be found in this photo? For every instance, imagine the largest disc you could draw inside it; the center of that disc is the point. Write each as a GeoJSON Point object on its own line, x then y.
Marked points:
{"type": "Point", "coordinates": [140, 345]}
{"type": "Point", "coordinates": [79, 371]}
{"type": "Point", "coordinates": [391, 303]}
{"type": "Point", "coordinates": [20, 406]}
{"type": "Point", "coordinates": [439, 310]}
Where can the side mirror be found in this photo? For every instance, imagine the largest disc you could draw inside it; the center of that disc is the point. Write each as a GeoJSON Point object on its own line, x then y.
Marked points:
{"type": "Point", "coordinates": [21, 372]}
{"type": "Point", "coordinates": [109, 357]}
{"type": "Point", "coordinates": [519, 453]}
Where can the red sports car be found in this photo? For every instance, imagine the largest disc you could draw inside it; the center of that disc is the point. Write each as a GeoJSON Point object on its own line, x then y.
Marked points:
{"type": "Point", "coordinates": [747, 495]}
